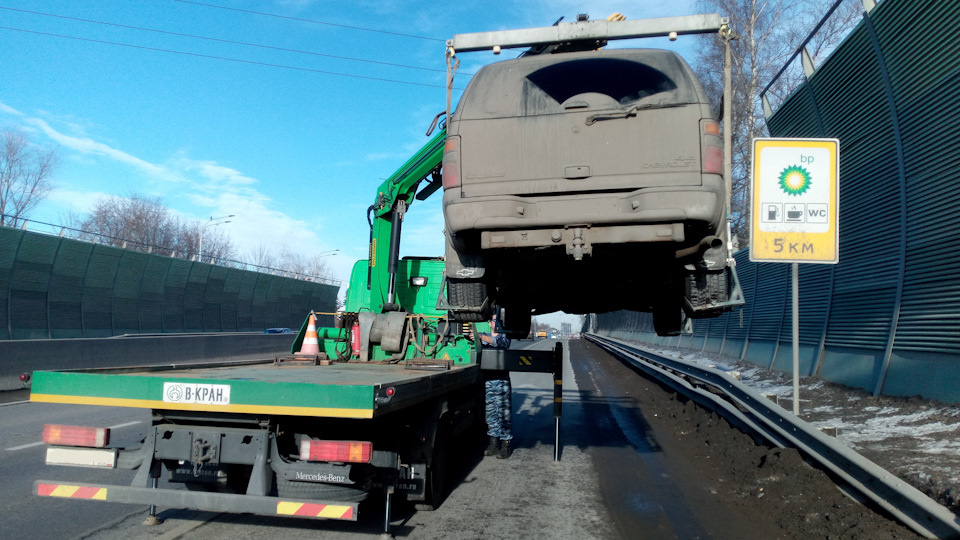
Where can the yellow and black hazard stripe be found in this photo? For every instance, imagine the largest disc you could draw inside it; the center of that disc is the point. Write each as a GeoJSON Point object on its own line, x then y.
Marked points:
{"type": "Point", "coordinates": [72, 492]}
{"type": "Point", "coordinates": [329, 511]}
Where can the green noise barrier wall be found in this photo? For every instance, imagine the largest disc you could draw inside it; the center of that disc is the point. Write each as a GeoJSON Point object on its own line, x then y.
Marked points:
{"type": "Point", "coordinates": [52, 287]}
{"type": "Point", "coordinates": [887, 318]}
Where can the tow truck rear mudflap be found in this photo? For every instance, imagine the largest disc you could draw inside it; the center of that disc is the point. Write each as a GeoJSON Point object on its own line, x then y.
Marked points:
{"type": "Point", "coordinates": [215, 502]}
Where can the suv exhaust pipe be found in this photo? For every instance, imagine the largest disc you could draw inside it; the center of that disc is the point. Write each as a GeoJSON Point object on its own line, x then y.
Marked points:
{"type": "Point", "coordinates": [708, 242]}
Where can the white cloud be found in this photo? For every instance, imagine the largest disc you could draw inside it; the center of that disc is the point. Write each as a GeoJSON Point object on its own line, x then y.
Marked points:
{"type": "Point", "coordinates": [85, 145]}
{"type": "Point", "coordinates": [203, 185]}
{"type": "Point", "coordinates": [382, 155]}
{"type": "Point", "coordinates": [75, 201]}
{"type": "Point", "coordinates": [212, 171]}
{"type": "Point", "coordinates": [6, 109]}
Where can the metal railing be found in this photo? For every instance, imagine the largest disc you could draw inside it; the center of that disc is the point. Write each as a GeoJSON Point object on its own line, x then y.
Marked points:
{"type": "Point", "coordinates": [745, 407]}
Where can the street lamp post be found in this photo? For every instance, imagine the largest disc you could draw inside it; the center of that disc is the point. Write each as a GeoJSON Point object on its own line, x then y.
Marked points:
{"type": "Point", "coordinates": [213, 222]}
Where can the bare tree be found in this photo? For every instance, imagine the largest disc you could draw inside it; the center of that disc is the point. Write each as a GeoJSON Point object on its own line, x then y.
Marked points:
{"type": "Point", "coordinates": [291, 261]}
{"type": "Point", "coordinates": [261, 257]}
{"type": "Point", "coordinates": [769, 31]}
{"type": "Point", "coordinates": [297, 263]}
{"type": "Point", "coordinates": [145, 224]}
{"type": "Point", "coordinates": [318, 266]}
{"type": "Point", "coordinates": [25, 176]}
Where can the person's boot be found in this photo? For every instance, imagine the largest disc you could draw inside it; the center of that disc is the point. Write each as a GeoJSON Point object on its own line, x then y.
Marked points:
{"type": "Point", "coordinates": [492, 447]}
{"type": "Point", "coordinates": [504, 450]}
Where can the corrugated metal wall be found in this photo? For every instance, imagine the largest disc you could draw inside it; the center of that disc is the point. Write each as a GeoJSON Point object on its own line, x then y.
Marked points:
{"type": "Point", "coordinates": [887, 318]}
{"type": "Point", "coordinates": [53, 287]}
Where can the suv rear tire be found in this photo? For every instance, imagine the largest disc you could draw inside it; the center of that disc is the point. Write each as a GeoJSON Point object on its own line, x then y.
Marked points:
{"type": "Point", "coordinates": [668, 320]}
{"type": "Point", "coordinates": [468, 297]}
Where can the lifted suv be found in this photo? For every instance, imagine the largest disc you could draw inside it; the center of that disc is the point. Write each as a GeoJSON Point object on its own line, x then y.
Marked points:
{"type": "Point", "coordinates": [586, 182]}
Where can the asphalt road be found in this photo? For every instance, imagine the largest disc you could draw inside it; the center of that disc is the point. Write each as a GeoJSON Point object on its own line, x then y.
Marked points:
{"type": "Point", "coordinates": [24, 516]}
{"type": "Point", "coordinates": [613, 480]}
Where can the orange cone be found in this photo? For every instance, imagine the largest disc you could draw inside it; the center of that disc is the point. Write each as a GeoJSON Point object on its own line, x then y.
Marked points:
{"type": "Point", "coordinates": [311, 345]}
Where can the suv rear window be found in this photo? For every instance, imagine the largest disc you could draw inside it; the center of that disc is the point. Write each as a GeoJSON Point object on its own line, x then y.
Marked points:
{"type": "Point", "coordinates": [625, 81]}
{"type": "Point", "coordinates": [543, 85]}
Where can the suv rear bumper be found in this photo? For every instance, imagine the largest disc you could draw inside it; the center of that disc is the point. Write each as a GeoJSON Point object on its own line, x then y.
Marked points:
{"type": "Point", "coordinates": [655, 212]}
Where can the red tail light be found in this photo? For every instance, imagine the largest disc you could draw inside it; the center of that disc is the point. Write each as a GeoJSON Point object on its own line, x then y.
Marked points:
{"type": "Point", "coordinates": [340, 451]}
{"type": "Point", "coordinates": [711, 147]}
{"type": "Point", "coordinates": [76, 436]}
{"type": "Point", "coordinates": [451, 162]}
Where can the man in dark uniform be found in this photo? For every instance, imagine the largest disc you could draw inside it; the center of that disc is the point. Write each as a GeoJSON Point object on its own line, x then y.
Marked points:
{"type": "Point", "coordinates": [498, 394]}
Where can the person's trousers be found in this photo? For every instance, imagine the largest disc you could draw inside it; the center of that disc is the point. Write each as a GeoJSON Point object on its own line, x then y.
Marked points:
{"type": "Point", "coordinates": [498, 409]}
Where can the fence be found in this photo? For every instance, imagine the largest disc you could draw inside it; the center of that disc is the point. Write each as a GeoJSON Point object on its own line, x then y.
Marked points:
{"type": "Point", "coordinates": [887, 318]}
{"type": "Point", "coordinates": [54, 287]}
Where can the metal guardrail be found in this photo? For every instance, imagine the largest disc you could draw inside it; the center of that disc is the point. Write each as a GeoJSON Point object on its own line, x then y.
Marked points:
{"type": "Point", "coordinates": [746, 407]}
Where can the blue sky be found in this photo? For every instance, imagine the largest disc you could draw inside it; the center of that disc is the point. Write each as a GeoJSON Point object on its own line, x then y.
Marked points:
{"type": "Point", "coordinates": [295, 154]}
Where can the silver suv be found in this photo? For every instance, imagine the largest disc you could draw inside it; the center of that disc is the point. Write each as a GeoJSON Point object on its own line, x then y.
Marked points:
{"type": "Point", "coordinates": [585, 182]}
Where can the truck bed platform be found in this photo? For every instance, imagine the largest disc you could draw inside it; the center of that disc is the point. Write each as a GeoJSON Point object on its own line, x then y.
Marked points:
{"type": "Point", "coordinates": [340, 390]}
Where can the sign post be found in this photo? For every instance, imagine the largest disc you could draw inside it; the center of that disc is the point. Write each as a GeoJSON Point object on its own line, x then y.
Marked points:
{"type": "Point", "coordinates": [795, 197]}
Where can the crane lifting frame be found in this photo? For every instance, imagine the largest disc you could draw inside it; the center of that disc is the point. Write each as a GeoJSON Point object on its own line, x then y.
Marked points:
{"type": "Point", "coordinates": [587, 30]}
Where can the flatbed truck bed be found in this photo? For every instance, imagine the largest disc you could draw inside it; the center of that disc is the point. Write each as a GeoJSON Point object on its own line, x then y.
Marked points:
{"type": "Point", "coordinates": [265, 387]}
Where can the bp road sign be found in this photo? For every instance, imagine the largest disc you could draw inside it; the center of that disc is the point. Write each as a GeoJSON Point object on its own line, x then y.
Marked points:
{"type": "Point", "coordinates": [795, 198]}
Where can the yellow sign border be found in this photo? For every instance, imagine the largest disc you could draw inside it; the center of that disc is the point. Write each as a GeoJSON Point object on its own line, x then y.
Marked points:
{"type": "Point", "coordinates": [763, 245]}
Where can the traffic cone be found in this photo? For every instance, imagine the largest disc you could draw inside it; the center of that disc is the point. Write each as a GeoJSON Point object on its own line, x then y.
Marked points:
{"type": "Point", "coordinates": [310, 344]}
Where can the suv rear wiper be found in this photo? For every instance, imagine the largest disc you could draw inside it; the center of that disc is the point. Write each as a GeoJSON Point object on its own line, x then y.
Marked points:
{"type": "Point", "coordinates": [626, 113]}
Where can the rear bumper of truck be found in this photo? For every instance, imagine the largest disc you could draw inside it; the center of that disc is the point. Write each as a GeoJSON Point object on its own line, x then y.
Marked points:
{"type": "Point", "coordinates": [215, 502]}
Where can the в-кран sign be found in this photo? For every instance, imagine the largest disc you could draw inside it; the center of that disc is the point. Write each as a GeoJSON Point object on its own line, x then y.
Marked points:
{"type": "Point", "coordinates": [795, 198]}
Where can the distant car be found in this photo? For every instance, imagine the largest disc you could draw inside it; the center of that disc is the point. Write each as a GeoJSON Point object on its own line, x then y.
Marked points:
{"type": "Point", "coordinates": [278, 331]}
{"type": "Point", "coordinates": [597, 174]}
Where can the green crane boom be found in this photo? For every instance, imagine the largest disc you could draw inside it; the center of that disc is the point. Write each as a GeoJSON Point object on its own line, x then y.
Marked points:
{"type": "Point", "coordinates": [394, 197]}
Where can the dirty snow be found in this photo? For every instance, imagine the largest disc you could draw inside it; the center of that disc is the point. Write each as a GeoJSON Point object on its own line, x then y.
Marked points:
{"type": "Point", "coordinates": [916, 439]}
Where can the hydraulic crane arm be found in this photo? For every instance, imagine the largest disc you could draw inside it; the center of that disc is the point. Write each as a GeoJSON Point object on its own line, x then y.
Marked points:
{"type": "Point", "coordinates": [394, 197]}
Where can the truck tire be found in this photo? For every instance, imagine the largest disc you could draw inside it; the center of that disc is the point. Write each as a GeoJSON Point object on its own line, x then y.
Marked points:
{"type": "Point", "coordinates": [436, 480]}
{"type": "Point", "coordinates": [470, 295]}
{"type": "Point", "coordinates": [668, 320]}
{"type": "Point", "coordinates": [328, 492]}
{"type": "Point", "coordinates": [516, 322]}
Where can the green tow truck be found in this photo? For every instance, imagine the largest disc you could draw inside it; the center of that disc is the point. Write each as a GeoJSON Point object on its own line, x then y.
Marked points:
{"type": "Point", "coordinates": [370, 409]}
{"type": "Point", "coordinates": [371, 405]}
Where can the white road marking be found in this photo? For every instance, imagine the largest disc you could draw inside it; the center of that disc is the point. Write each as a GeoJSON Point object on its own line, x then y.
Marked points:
{"type": "Point", "coordinates": [118, 426]}
{"type": "Point", "coordinates": [22, 446]}
{"type": "Point", "coordinates": [15, 403]}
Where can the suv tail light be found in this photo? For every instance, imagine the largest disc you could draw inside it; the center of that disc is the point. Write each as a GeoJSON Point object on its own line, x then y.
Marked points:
{"type": "Point", "coordinates": [76, 436]}
{"type": "Point", "coordinates": [339, 451]}
{"type": "Point", "coordinates": [451, 162]}
{"type": "Point", "coordinates": [711, 147]}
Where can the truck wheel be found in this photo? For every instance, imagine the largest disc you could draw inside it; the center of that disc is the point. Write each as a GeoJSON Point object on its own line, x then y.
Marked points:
{"type": "Point", "coordinates": [516, 322]}
{"type": "Point", "coordinates": [436, 484]}
{"type": "Point", "coordinates": [469, 295]}
{"type": "Point", "coordinates": [667, 320]}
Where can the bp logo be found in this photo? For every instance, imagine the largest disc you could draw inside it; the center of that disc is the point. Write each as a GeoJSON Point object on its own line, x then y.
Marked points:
{"type": "Point", "coordinates": [174, 392]}
{"type": "Point", "coordinates": [795, 180]}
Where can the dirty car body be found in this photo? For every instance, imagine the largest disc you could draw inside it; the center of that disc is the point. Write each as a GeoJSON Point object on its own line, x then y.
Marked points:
{"type": "Point", "coordinates": [586, 182]}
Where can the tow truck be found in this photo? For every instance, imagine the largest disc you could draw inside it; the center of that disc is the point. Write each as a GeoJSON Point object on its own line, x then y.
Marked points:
{"type": "Point", "coordinates": [368, 407]}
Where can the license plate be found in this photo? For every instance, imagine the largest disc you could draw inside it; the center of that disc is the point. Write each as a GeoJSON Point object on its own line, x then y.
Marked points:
{"type": "Point", "coordinates": [207, 394]}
